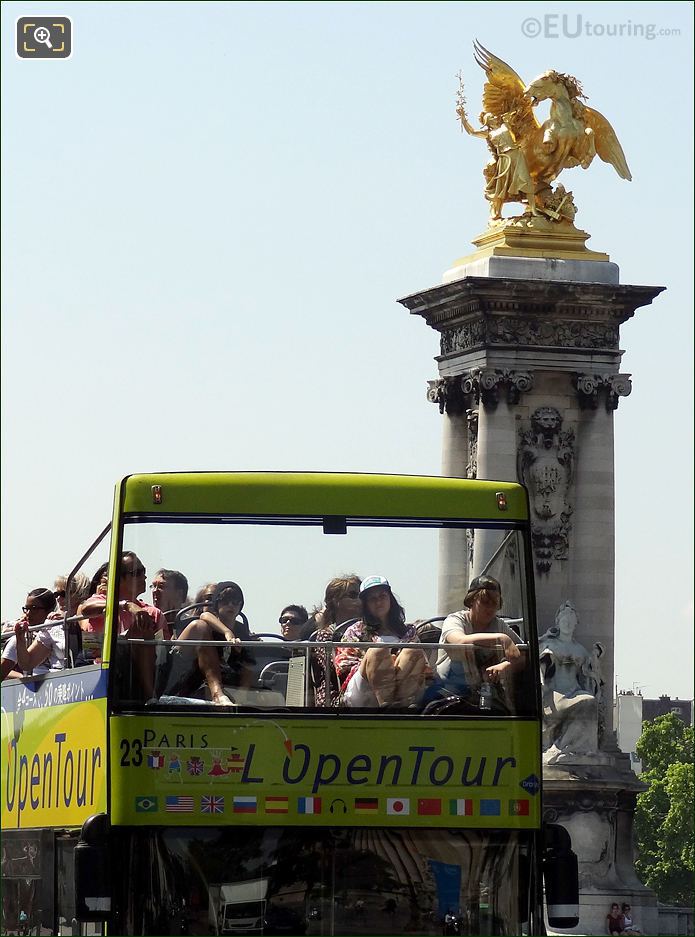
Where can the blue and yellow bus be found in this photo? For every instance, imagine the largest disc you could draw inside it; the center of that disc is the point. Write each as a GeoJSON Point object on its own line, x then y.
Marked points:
{"type": "Point", "coordinates": [133, 806]}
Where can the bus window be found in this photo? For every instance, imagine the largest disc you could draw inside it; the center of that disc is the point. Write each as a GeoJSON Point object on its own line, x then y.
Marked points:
{"type": "Point", "coordinates": [277, 562]}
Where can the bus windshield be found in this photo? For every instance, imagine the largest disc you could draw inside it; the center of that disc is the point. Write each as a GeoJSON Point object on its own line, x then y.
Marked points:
{"type": "Point", "coordinates": [238, 649]}
{"type": "Point", "coordinates": [326, 881]}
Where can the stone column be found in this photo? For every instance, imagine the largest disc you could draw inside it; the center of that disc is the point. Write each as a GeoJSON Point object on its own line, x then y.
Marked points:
{"type": "Point", "coordinates": [497, 430]}
{"type": "Point", "coordinates": [592, 560]}
{"type": "Point", "coordinates": [456, 463]}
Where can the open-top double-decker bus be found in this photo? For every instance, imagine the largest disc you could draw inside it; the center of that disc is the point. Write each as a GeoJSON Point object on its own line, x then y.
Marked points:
{"type": "Point", "coordinates": [135, 803]}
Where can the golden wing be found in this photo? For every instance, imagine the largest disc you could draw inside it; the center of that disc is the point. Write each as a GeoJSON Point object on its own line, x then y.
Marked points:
{"type": "Point", "coordinates": [607, 144]}
{"type": "Point", "coordinates": [504, 91]}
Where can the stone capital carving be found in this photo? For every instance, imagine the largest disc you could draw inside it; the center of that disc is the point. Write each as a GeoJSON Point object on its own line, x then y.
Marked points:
{"type": "Point", "coordinates": [545, 464]}
{"type": "Point", "coordinates": [448, 394]}
{"type": "Point", "coordinates": [589, 386]}
{"type": "Point", "coordinates": [465, 391]}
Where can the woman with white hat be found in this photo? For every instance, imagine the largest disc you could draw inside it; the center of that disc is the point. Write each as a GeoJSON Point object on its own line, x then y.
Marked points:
{"type": "Point", "coordinates": [380, 676]}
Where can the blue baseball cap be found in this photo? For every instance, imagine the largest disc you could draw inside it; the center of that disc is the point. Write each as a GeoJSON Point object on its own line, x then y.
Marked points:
{"type": "Point", "coordinates": [372, 581]}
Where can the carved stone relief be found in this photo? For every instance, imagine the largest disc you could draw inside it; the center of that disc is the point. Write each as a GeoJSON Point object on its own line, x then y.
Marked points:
{"type": "Point", "coordinates": [545, 464]}
{"type": "Point", "coordinates": [472, 465]}
{"type": "Point", "coordinates": [588, 387]}
{"type": "Point", "coordinates": [471, 471]}
{"type": "Point", "coordinates": [462, 337]}
{"type": "Point", "coordinates": [518, 330]}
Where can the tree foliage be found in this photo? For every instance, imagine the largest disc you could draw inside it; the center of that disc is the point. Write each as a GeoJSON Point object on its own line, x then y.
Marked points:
{"type": "Point", "coordinates": [664, 816]}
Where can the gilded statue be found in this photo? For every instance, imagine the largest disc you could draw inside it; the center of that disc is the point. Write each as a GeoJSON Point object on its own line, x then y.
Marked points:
{"type": "Point", "coordinates": [528, 156]}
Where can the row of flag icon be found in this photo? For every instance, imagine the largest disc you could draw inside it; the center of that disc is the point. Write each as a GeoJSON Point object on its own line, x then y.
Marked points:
{"type": "Point", "coordinates": [394, 806]}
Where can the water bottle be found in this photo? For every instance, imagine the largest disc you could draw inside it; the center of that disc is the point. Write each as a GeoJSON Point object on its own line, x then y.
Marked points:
{"type": "Point", "coordinates": [485, 697]}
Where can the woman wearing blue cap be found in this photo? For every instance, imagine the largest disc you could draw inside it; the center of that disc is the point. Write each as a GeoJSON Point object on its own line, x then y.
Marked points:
{"type": "Point", "coordinates": [378, 676]}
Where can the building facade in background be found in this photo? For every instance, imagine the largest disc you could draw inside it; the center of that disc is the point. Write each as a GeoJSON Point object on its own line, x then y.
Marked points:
{"type": "Point", "coordinates": [631, 711]}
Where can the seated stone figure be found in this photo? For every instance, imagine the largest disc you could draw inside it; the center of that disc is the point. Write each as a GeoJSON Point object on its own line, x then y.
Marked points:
{"type": "Point", "coordinates": [571, 688]}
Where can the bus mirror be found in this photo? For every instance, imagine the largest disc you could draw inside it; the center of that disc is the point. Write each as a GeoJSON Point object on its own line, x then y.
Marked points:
{"type": "Point", "coordinates": [92, 871]}
{"type": "Point", "coordinates": [561, 876]}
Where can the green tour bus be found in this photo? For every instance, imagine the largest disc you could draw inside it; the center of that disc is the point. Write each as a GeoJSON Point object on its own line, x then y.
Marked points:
{"type": "Point", "coordinates": [187, 775]}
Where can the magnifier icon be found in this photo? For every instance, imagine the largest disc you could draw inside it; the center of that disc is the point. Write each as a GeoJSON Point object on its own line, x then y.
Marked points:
{"type": "Point", "coordinates": [42, 34]}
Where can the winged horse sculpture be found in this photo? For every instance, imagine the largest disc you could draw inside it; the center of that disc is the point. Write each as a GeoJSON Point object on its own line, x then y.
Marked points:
{"type": "Point", "coordinates": [528, 156]}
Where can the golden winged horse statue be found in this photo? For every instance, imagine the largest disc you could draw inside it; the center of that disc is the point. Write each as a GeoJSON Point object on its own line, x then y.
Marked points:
{"type": "Point", "coordinates": [528, 156]}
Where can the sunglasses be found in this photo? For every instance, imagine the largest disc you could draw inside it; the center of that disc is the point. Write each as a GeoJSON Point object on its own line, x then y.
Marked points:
{"type": "Point", "coordinates": [60, 594]}
{"type": "Point", "coordinates": [138, 571]}
{"type": "Point", "coordinates": [289, 620]}
{"type": "Point", "coordinates": [33, 608]}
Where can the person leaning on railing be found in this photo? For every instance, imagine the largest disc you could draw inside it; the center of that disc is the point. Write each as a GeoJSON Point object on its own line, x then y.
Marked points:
{"type": "Point", "coordinates": [220, 620]}
{"type": "Point", "coordinates": [33, 649]}
{"type": "Point", "coordinates": [483, 647]}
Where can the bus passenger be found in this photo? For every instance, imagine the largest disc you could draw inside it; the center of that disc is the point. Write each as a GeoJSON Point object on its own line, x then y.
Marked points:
{"type": "Point", "coordinates": [92, 613]}
{"type": "Point", "coordinates": [292, 620]}
{"type": "Point", "coordinates": [79, 591]}
{"type": "Point", "coordinates": [341, 603]}
{"type": "Point", "coordinates": [169, 593]}
{"type": "Point", "coordinates": [136, 619]}
{"type": "Point", "coordinates": [380, 676]}
{"type": "Point", "coordinates": [38, 651]}
{"type": "Point", "coordinates": [486, 647]}
{"type": "Point", "coordinates": [219, 621]}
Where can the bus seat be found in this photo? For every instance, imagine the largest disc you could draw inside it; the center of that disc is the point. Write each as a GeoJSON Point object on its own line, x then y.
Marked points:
{"type": "Point", "coordinates": [274, 676]}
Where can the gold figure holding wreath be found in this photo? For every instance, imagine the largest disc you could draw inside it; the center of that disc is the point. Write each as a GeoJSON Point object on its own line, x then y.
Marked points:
{"type": "Point", "coordinates": [528, 156]}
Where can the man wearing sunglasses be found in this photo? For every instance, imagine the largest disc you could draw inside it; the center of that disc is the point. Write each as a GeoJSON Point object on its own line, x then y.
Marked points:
{"type": "Point", "coordinates": [292, 620]}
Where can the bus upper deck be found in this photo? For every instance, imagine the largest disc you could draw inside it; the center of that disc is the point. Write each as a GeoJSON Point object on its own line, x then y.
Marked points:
{"type": "Point", "coordinates": [177, 732]}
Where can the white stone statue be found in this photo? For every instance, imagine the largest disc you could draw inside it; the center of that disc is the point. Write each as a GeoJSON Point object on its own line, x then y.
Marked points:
{"type": "Point", "coordinates": [571, 683]}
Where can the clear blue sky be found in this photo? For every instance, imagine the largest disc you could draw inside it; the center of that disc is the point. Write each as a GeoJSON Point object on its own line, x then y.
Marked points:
{"type": "Point", "coordinates": [210, 210]}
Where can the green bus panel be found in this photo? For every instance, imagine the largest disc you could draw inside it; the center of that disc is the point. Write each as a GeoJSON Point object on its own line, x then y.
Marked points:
{"type": "Point", "coordinates": [307, 494]}
{"type": "Point", "coordinates": [357, 771]}
{"type": "Point", "coordinates": [54, 749]}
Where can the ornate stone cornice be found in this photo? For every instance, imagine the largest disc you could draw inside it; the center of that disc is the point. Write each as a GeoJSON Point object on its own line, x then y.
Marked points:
{"type": "Point", "coordinates": [588, 387]}
{"type": "Point", "coordinates": [467, 390]}
{"type": "Point", "coordinates": [444, 307]}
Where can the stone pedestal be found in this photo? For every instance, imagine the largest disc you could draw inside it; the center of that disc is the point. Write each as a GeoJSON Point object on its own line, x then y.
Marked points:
{"type": "Point", "coordinates": [529, 380]}
{"type": "Point", "coordinates": [593, 797]}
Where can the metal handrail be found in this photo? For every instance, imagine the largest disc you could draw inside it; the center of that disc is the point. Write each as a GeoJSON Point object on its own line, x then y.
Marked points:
{"type": "Point", "coordinates": [299, 645]}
